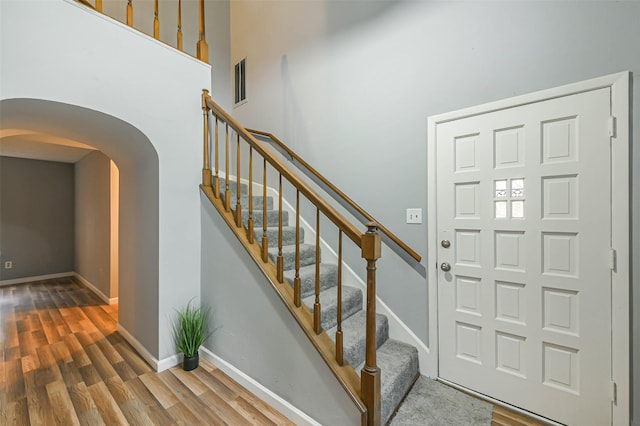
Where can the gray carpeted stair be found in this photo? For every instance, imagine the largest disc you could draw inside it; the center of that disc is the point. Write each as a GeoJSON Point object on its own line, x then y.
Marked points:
{"type": "Point", "coordinates": [307, 255]}
{"type": "Point", "coordinates": [288, 235]}
{"type": "Point", "coordinates": [328, 277]}
{"type": "Point", "coordinates": [258, 217]}
{"type": "Point", "coordinates": [398, 362]}
{"type": "Point", "coordinates": [244, 201]}
{"type": "Point", "coordinates": [354, 346]}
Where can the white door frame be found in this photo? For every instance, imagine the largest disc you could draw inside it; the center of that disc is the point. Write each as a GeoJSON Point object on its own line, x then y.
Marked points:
{"type": "Point", "coordinates": [620, 321]}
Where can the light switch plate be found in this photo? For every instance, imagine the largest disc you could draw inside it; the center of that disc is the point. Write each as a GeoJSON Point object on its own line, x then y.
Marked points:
{"type": "Point", "coordinates": [414, 215]}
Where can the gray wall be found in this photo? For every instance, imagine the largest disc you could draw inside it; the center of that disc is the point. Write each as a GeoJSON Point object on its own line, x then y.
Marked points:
{"type": "Point", "coordinates": [257, 334]}
{"type": "Point", "coordinates": [36, 217]}
{"type": "Point", "coordinates": [349, 86]}
{"type": "Point", "coordinates": [93, 221]}
{"type": "Point", "coordinates": [218, 38]}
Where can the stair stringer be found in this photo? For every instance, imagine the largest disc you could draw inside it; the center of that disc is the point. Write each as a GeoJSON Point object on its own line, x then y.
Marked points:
{"type": "Point", "coordinates": [346, 375]}
{"type": "Point", "coordinates": [398, 330]}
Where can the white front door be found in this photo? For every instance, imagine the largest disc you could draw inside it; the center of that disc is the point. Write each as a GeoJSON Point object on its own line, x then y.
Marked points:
{"type": "Point", "coordinates": [523, 200]}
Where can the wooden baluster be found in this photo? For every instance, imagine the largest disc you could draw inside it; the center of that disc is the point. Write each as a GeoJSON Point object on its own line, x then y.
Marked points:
{"type": "Point", "coordinates": [180, 25]}
{"type": "Point", "coordinates": [206, 168]}
{"type": "Point", "coordinates": [317, 323]}
{"type": "Point", "coordinates": [216, 178]}
{"type": "Point", "coordinates": [238, 188]}
{"type": "Point", "coordinates": [227, 192]}
{"type": "Point", "coordinates": [130, 13]}
{"type": "Point", "coordinates": [202, 48]}
{"type": "Point", "coordinates": [339, 344]}
{"type": "Point", "coordinates": [280, 258]}
{"type": "Point", "coordinates": [156, 22]}
{"type": "Point", "coordinates": [265, 238]}
{"type": "Point", "coordinates": [250, 235]}
{"type": "Point", "coordinates": [99, 5]}
{"type": "Point", "coordinates": [370, 376]}
{"type": "Point", "coordinates": [297, 294]}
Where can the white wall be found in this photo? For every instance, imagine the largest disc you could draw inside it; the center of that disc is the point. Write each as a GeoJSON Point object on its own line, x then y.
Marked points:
{"type": "Point", "coordinates": [93, 221]}
{"type": "Point", "coordinates": [138, 101]}
{"type": "Point", "coordinates": [216, 32]}
{"type": "Point", "coordinates": [349, 86]}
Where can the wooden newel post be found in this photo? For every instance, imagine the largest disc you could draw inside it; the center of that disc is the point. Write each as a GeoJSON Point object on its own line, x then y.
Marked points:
{"type": "Point", "coordinates": [206, 168]}
{"type": "Point", "coordinates": [370, 376]}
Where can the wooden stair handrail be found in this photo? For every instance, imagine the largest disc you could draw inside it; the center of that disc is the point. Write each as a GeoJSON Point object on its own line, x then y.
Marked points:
{"type": "Point", "coordinates": [341, 194]}
{"type": "Point", "coordinates": [332, 214]}
{"type": "Point", "coordinates": [366, 396]}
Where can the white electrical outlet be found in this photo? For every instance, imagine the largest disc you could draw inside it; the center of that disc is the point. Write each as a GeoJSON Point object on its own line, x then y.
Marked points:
{"type": "Point", "coordinates": [414, 215]}
{"type": "Point", "coordinates": [8, 264]}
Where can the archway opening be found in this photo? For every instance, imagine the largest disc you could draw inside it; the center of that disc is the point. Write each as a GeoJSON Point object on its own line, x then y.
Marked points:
{"type": "Point", "coordinates": [136, 255]}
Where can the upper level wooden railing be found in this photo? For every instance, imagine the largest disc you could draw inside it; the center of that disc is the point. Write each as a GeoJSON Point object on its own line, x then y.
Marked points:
{"type": "Point", "coordinates": [332, 188]}
{"type": "Point", "coordinates": [365, 391]}
{"type": "Point", "coordinates": [202, 49]}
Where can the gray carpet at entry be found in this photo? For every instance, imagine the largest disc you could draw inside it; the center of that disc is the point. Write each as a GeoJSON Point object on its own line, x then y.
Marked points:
{"type": "Point", "coordinates": [431, 403]}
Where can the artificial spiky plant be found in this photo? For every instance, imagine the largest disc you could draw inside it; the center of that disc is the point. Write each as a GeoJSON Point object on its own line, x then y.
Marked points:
{"type": "Point", "coordinates": [190, 330]}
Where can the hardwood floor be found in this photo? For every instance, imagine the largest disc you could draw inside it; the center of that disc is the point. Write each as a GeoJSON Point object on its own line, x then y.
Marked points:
{"type": "Point", "coordinates": [505, 417]}
{"type": "Point", "coordinates": [63, 363]}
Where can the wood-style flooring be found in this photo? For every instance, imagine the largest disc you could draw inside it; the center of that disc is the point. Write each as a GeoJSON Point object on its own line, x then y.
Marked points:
{"type": "Point", "coordinates": [63, 363]}
{"type": "Point", "coordinates": [505, 417]}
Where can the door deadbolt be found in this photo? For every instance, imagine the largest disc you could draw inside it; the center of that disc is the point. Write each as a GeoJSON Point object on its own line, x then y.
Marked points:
{"type": "Point", "coordinates": [445, 243]}
{"type": "Point", "coordinates": [445, 267]}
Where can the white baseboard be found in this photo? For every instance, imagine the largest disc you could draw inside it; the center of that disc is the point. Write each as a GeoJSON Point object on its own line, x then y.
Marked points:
{"type": "Point", "coordinates": [168, 362]}
{"type": "Point", "coordinates": [285, 407]}
{"type": "Point", "coordinates": [96, 290]}
{"type": "Point", "coordinates": [36, 278]}
{"type": "Point", "coordinates": [142, 351]}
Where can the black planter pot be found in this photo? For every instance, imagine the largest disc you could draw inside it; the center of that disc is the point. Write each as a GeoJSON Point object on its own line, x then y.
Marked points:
{"type": "Point", "coordinates": [190, 362]}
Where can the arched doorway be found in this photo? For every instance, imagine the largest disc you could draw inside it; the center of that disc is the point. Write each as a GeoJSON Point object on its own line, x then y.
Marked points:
{"type": "Point", "coordinates": [137, 161]}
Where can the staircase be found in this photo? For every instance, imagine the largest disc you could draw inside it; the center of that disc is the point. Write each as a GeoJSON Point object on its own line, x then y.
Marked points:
{"type": "Point", "coordinates": [340, 321]}
{"type": "Point", "coordinates": [397, 361]}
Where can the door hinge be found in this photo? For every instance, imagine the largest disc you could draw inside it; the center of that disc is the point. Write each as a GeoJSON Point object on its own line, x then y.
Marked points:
{"type": "Point", "coordinates": [614, 392]}
{"type": "Point", "coordinates": [612, 259]}
{"type": "Point", "coordinates": [612, 126]}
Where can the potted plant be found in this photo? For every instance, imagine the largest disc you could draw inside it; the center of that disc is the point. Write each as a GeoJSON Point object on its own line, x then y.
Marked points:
{"type": "Point", "coordinates": [190, 331]}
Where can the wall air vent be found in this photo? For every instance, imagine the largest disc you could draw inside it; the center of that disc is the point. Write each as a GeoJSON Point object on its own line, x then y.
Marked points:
{"type": "Point", "coordinates": [241, 82]}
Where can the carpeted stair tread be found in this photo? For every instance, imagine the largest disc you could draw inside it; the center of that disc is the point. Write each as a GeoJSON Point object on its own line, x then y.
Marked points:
{"type": "Point", "coordinates": [328, 277]}
{"type": "Point", "coordinates": [430, 403]}
{"type": "Point", "coordinates": [354, 336]}
{"type": "Point", "coordinates": [257, 202]}
{"type": "Point", "coordinates": [288, 235]}
{"type": "Point", "coordinates": [244, 188]}
{"type": "Point", "coordinates": [307, 255]}
{"type": "Point", "coordinates": [351, 303]}
{"type": "Point", "coordinates": [272, 217]}
{"type": "Point", "coordinates": [398, 363]}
